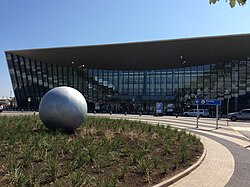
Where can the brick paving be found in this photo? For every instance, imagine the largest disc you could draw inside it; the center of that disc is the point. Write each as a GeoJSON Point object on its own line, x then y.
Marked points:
{"type": "Point", "coordinates": [211, 173]}
{"type": "Point", "coordinates": [241, 175]}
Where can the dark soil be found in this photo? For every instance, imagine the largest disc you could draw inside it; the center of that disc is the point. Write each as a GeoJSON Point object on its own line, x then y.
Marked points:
{"type": "Point", "coordinates": [103, 152]}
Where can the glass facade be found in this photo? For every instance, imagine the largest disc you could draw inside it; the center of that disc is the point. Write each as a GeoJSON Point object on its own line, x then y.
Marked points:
{"type": "Point", "coordinates": [134, 90]}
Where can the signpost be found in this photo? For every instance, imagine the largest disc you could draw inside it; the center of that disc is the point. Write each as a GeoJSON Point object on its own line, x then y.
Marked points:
{"type": "Point", "coordinates": [215, 102]}
{"type": "Point", "coordinates": [207, 102]}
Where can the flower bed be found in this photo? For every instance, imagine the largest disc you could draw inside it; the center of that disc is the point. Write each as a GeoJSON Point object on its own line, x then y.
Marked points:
{"type": "Point", "coordinates": [102, 152]}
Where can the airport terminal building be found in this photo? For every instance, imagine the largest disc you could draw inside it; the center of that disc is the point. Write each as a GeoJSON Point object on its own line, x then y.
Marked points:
{"type": "Point", "coordinates": [135, 76]}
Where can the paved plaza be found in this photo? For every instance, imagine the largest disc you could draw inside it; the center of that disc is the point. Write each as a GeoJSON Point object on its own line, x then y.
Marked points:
{"type": "Point", "coordinates": [227, 160]}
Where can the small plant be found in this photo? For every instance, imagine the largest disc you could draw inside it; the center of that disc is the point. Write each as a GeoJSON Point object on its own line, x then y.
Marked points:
{"type": "Point", "coordinates": [183, 150]}
{"type": "Point", "coordinates": [156, 161]}
{"type": "Point", "coordinates": [165, 169]}
{"type": "Point", "coordinates": [52, 168]}
{"type": "Point", "coordinates": [78, 179]}
{"type": "Point", "coordinates": [20, 178]}
{"type": "Point", "coordinates": [167, 148]}
{"type": "Point", "coordinates": [146, 146]}
{"type": "Point", "coordinates": [34, 179]}
{"type": "Point", "coordinates": [26, 155]}
{"type": "Point", "coordinates": [109, 135]}
{"type": "Point", "coordinates": [92, 153]}
{"type": "Point", "coordinates": [176, 164]}
{"type": "Point", "coordinates": [99, 164]}
{"type": "Point", "coordinates": [122, 172]}
{"type": "Point", "coordinates": [111, 181]}
{"type": "Point", "coordinates": [137, 155]}
{"type": "Point", "coordinates": [144, 166]}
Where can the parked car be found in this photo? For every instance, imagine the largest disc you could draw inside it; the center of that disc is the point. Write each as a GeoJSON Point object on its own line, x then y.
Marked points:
{"type": "Point", "coordinates": [193, 112]}
{"type": "Point", "coordinates": [243, 114]}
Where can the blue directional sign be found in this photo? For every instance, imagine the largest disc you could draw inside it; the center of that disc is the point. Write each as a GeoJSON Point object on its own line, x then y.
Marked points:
{"type": "Point", "coordinates": [207, 102]}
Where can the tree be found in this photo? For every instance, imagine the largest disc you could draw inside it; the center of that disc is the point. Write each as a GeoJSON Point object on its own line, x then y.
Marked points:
{"type": "Point", "coordinates": [232, 3]}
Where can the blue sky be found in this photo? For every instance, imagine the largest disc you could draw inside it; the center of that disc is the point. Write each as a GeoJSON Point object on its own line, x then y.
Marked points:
{"type": "Point", "coordinates": [56, 23]}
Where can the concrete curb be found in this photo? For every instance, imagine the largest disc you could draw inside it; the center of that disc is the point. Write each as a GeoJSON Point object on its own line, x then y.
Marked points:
{"type": "Point", "coordinates": [182, 174]}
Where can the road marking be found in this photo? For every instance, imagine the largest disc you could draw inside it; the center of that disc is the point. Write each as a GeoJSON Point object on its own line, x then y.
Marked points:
{"type": "Point", "coordinates": [241, 128]}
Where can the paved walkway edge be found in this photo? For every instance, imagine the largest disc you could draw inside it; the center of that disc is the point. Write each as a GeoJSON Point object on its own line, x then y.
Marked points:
{"type": "Point", "coordinates": [184, 173]}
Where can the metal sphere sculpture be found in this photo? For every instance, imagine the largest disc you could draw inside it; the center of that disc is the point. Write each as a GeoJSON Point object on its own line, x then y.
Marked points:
{"type": "Point", "coordinates": [63, 108]}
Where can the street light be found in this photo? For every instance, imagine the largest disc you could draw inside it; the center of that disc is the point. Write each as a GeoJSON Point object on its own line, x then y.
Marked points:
{"type": "Point", "coordinates": [29, 100]}
{"type": "Point", "coordinates": [81, 66]}
{"type": "Point", "coordinates": [183, 61]}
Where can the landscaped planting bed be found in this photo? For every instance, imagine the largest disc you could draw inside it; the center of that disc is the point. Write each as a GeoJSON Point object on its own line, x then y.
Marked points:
{"type": "Point", "coordinates": [102, 152]}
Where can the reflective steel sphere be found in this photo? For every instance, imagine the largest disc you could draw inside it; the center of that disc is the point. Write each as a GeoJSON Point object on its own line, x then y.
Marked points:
{"type": "Point", "coordinates": [63, 108]}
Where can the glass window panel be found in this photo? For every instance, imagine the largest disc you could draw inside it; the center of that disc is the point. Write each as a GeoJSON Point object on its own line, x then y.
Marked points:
{"type": "Point", "coordinates": [12, 73]}
{"type": "Point", "coordinates": [248, 70]}
{"type": "Point", "coordinates": [235, 76]}
{"type": "Point", "coordinates": [163, 82]}
{"type": "Point", "coordinates": [80, 80]}
{"type": "Point", "coordinates": [50, 77]}
{"type": "Point", "coordinates": [115, 79]}
{"type": "Point", "coordinates": [152, 82]}
{"type": "Point", "coordinates": [188, 72]}
{"type": "Point", "coordinates": [39, 74]}
{"type": "Point", "coordinates": [23, 79]}
{"type": "Point", "coordinates": [65, 76]}
{"type": "Point", "coordinates": [126, 82]}
{"type": "Point", "coordinates": [70, 77]}
{"type": "Point", "coordinates": [169, 81]}
{"type": "Point", "coordinates": [175, 80]}
{"type": "Point", "coordinates": [121, 82]}
{"type": "Point", "coordinates": [242, 77]}
{"type": "Point", "coordinates": [141, 83]}
{"type": "Point", "coordinates": [131, 85]}
{"type": "Point", "coordinates": [60, 76]}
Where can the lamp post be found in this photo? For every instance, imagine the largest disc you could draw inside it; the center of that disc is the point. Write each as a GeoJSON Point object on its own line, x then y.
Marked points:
{"type": "Point", "coordinates": [29, 100]}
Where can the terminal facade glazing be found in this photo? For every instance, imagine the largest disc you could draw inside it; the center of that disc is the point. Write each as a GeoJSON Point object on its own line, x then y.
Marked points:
{"type": "Point", "coordinates": [134, 90]}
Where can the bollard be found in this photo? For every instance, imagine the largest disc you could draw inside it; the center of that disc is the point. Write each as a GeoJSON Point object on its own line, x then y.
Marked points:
{"type": "Point", "coordinates": [125, 113]}
{"type": "Point", "coordinates": [110, 113]}
{"type": "Point", "coordinates": [176, 115]}
{"type": "Point", "coordinates": [139, 113]}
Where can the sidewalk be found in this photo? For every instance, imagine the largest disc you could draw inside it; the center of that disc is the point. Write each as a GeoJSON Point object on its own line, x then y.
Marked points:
{"type": "Point", "coordinates": [215, 170]}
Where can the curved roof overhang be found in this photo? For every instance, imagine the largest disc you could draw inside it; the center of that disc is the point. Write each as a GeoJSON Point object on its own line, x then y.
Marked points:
{"type": "Point", "coordinates": [147, 55]}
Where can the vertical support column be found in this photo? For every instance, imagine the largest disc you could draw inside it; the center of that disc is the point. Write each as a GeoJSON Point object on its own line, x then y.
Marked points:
{"type": "Point", "coordinates": [197, 124]}
{"type": "Point", "coordinates": [236, 103]}
{"type": "Point", "coordinates": [217, 115]}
